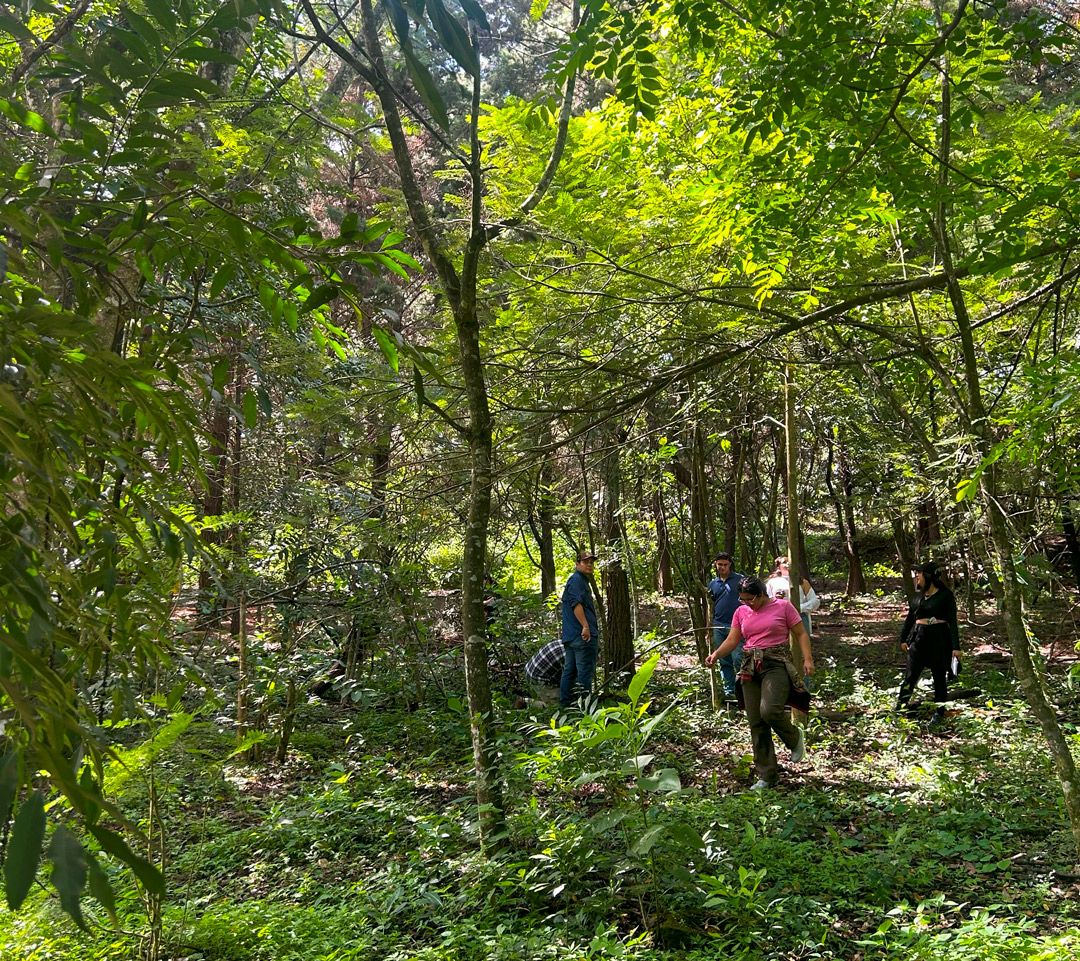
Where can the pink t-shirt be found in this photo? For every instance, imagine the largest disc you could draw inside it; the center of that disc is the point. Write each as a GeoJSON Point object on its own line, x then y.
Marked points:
{"type": "Point", "coordinates": [769, 625]}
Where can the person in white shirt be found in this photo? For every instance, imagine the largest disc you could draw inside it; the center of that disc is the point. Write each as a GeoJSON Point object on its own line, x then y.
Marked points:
{"type": "Point", "coordinates": [779, 585]}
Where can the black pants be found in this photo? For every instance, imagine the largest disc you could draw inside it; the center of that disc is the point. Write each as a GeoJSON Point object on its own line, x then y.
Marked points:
{"type": "Point", "coordinates": [930, 647]}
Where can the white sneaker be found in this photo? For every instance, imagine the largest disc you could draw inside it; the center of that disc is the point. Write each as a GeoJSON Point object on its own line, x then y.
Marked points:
{"type": "Point", "coordinates": [761, 785]}
{"type": "Point", "coordinates": [798, 752]}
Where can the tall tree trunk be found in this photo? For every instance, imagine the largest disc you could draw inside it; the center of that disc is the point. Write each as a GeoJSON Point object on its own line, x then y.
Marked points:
{"type": "Point", "coordinates": [927, 528]}
{"type": "Point", "coordinates": [856, 582]}
{"type": "Point", "coordinates": [740, 550]}
{"type": "Point", "coordinates": [792, 472]}
{"type": "Point", "coordinates": [768, 534]}
{"type": "Point", "coordinates": [546, 511]}
{"type": "Point", "coordinates": [846, 516]}
{"type": "Point", "coordinates": [213, 501]}
{"type": "Point", "coordinates": [699, 527]}
{"type": "Point", "coordinates": [904, 555]}
{"type": "Point", "coordinates": [664, 579]}
{"type": "Point", "coordinates": [1068, 526]}
{"type": "Point", "coordinates": [618, 640]}
{"type": "Point", "coordinates": [235, 539]}
{"type": "Point", "coordinates": [459, 289]}
{"type": "Point", "coordinates": [731, 497]}
{"type": "Point", "coordinates": [1012, 602]}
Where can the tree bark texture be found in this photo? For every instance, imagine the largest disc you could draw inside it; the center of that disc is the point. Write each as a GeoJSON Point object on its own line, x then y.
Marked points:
{"type": "Point", "coordinates": [460, 292]}
{"type": "Point", "coordinates": [856, 582]}
{"type": "Point", "coordinates": [792, 468]}
{"type": "Point", "coordinates": [1012, 601]}
{"type": "Point", "coordinates": [904, 555]}
{"type": "Point", "coordinates": [618, 638]}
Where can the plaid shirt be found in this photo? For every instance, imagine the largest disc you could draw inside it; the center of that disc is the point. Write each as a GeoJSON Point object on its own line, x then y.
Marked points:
{"type": "Point", "coordinates": [546, 665]}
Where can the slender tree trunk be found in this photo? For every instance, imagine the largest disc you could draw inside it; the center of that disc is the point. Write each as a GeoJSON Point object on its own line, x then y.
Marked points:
{"type": "Point", "coordinates": [235, 540]}
{"type": "Point", "coordinates": [699, 526]}
{"type": "Point", "coordinates": [792, 468]}
{"type": "Point", "coordinates": [546, 511]}
{"type": "Point", "coordinates": [1068, 526]}
{"type": "Point", "coordinates": [856, 582]}
{"type": "Point", "coordinates": [618, 640]}
{"type": "Point", "coordinates": [213, 501]}
{"type": "Point", "coordinates": [768, 538]}
{"type": "Point", "coordinates": [738, 456]}
{"type": "Point", "coordinates": [904, 555]}
{"type": "Point", "coordinates": [664, 579]}
{"type": "Point", "coordinates": [731, 497]}
{"type": "Point", "coordinates": [1012, 602]}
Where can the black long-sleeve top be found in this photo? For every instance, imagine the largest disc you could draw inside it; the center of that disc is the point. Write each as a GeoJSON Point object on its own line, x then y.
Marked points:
{"type": "Point", "coordinates": [941, 605]}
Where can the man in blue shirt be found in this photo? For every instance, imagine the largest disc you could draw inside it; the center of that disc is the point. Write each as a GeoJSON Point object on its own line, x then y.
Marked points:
{"type": "Point", "coordinates": [580, 635]}
{"type": "Point", "coordinates": [724, 591]}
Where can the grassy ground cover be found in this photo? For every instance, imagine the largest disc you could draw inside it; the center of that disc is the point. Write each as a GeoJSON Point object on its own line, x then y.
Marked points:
{"type": "Point", "coordinates": [891, 840]}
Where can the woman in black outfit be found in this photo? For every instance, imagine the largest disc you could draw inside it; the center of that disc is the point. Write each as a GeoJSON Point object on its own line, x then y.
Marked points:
{"type": "Point", "coordinates": [930, 637]}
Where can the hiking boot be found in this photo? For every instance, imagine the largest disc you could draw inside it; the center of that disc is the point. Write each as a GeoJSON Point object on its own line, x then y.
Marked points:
{"type": "Point", "coordinates": [762, 785]}
{"type": "Point", "coordinates": [798, 752]}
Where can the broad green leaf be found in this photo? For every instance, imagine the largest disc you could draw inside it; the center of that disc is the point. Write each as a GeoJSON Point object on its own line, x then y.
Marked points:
{"type": "Point", "coordinates": [641, 678]}
{"type": "Point", "coordinates": [200, 53]}
{"type": "Point", "coordinates": [144, 28]}
{"type": "Point", "coordinates": [645, 843]}
{"type": "Point", "coordinates": [112, 843]}
{"type": "Point", "coordinates": [685, 834]}
{"type": "Point", "coordinates": [101, 889]}
{"type": "Point", "coordinates": [606, 820]}
{"type": "Point", "coordinates": [666, 780]}
{"type": "Point", "coordinates": [454, 38]}
{"type": "Point", "coordinates": [251, 409]}
{"type": "Point", "coordinates": [24, 850]}
{"type": "Point", "coordinates": [402, 258]}
{"type": "Point", "coordinates": [320, 296]}
{"type": "Point", "coordinates": [13, 27]}
{"type": "Point", "coordinates": [146, 267]}
{"type": "Point", "coordinates": [19, 113]}
{"type": "Point", "coordinates": [68, 872]}
{"type": "Point", "coordinates": [399, 17]}
{"type": "Point", "coordinates": [387, 346]}
{"type": "Point", "coordinates": [475, 12]}
{"type": "Point", "coordinates": [162, 12]}
{"type": "Point", "coordinates": [222, 278]}
{"type": "Point", "coordinates": [635, 765]}
{"type": "Point", "coordinates": [425, 86]}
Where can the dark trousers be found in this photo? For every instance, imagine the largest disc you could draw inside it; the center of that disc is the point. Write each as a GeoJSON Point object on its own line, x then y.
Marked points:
{"type": "Point", "coordinates": [928, 649]}
{"type": "Point", "coordinates": [764, 696]}
{"type": "Point", "coordinates": [578, 669]}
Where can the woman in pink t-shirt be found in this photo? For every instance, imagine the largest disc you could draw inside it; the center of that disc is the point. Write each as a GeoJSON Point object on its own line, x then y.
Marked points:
{"type": "Point", "coordinates": [768, 679]}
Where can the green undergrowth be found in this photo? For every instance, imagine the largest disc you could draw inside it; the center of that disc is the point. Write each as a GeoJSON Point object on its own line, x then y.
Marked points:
{"type": "Point", "coordinates": [629, 834]}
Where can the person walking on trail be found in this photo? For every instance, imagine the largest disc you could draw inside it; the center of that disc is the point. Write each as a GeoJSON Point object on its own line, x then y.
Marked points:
{"type": "Point", "coordinates": [769, 679]}
{"type": "Point", "coordinates": [930, 637]}
{"type": "Point", "coordinates": [779, 585]}
{"type": "Point", "coordinates": [724, 592]}
{"type": "Point", "coordinates": [580, 634]}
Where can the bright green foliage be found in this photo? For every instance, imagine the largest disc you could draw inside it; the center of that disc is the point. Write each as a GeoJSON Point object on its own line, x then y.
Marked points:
{"type": "Point", "coordinates": [137, 212]}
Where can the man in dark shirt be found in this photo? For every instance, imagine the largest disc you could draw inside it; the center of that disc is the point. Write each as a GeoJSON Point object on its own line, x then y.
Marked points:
{"type": "Point", "coordinates": [580, 634]}
{"type": "Point", "coordinates": [724, 591]}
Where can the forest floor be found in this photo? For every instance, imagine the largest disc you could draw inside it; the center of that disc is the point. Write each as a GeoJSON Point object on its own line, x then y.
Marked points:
{"type": "Point", "coordinates": [890, 840]}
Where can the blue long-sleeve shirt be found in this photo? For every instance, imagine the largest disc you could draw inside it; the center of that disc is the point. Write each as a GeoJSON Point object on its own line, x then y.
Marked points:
{"type": "Point", "coordinates": [578, 591]}
{"type": "Point", "coordinates": [725, 598]}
